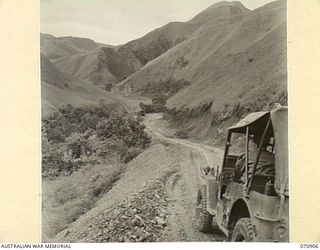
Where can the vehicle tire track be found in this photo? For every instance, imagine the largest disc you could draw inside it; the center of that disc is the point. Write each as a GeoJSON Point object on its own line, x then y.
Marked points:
{"type": "Point", "coordinates": [182, 186]}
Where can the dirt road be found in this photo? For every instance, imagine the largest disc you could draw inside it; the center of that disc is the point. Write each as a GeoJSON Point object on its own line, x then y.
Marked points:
{"type": "Point", "coordinates": [158, 187]}
{"type": "Point", "coordinates": [183, 185]}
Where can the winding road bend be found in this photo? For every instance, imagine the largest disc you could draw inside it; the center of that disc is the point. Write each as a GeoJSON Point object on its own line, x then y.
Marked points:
{"type": "Point", "coordinates": [183, 185]}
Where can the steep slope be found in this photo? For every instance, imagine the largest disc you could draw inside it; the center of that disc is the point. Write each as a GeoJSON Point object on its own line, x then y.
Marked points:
{"type": "Point", "coordinates": [114, 66]}
{"type": "Point", "coordinates": [220, 9]}
{"type": "Point", "coordinates": [106, 66]}
{"type": "Point", "coordinates": [102, 67]}
{"type": "Point", "coordinates": [162, 39]}
{"type": "Point", "coordinates": [249, 59]}
{"type": "Point", "coordinates": [51, 75]}
{"type": "Point", "coordinates": [54, 47]}
{"type": "Point", "coordinates": [78, 65]}
{"type": "Point", "coordinates": [109, 65]}
{"type": "Point", "coordinates": [233, 64]}
{"type": "Point", "coordinates": [58, 89]}
{"type": "Point", "coordinates": [210, 28]}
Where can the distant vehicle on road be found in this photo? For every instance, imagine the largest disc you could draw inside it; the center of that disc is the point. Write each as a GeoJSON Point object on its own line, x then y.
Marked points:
{"type": "Point", "coordinates": [248, 198]}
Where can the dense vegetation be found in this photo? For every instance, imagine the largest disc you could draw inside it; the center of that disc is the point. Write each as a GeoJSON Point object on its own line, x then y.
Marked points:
{"type": "Point", "coordinates": [74, 137]}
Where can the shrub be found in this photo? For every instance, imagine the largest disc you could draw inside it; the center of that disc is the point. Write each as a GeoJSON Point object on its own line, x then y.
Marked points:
{"type": "Point", "coordinates": [108, 86]}
{"type": "Point", "coordinates": [87, 135]}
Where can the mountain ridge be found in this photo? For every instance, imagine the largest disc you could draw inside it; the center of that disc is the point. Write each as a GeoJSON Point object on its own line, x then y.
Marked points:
{"type": "Point", "coordinates": [243, 57]}
{"type": "Point", "coordinates": [141, 50]}
{"type": "Point", "coordinates": [226, 48]}
{"type": "Point", "coordinates": [58, 89]}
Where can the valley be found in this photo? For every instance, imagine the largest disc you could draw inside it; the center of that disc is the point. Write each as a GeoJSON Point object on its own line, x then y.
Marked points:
{"type": "Point", "coordinates": [114, 171]}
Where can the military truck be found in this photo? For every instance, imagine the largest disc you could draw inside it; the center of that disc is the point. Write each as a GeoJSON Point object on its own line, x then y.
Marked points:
{"type": "Point", "coordinates": [247, 203]}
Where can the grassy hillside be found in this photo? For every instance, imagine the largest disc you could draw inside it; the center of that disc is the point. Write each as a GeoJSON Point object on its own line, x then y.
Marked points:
{"type": "Point", "coordinates": [224, 49]}
{"type": "Point", "coordinates": [58, 89]}
{"type": "Point", "coordinates": [106, 65]}
{"type": "Point", "coordinates": [54, 47]}
{"type": "Point", "coordinates": [103, 67]}
{"type": "Point", "coordinates": [78, 65]}
{"type": "Point", "coordinates": [97, 159]}
{"type": "Point", "coordinates": [234, 63]}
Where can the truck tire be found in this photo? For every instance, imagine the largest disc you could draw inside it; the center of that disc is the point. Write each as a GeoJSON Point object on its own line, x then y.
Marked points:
{"type": "Point", "coordinates": [203, 217]}
{"type": "Point", "coordinates": [243, 231]}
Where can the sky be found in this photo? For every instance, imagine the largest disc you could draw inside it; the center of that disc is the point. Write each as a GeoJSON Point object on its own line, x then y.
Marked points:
{"type": "Point", "coordinates": [117, 22]}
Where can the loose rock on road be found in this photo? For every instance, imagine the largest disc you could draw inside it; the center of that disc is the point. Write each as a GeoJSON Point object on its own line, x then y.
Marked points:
{"type": "Point", "coordinates": [182, 186]}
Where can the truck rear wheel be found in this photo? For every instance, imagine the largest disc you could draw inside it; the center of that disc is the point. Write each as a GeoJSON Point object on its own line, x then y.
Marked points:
{"type": "Point", "coordinates": [203, 217]}
{"type": "Point", "coordinates": [243, 231]}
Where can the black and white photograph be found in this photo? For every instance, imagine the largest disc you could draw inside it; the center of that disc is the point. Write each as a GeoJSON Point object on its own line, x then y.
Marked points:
{"type": "Point", "coordinates": [164, 121]}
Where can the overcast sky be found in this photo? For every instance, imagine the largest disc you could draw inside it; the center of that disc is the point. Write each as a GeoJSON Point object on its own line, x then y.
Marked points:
{"type": "Point", "coordinates": [119, 21]}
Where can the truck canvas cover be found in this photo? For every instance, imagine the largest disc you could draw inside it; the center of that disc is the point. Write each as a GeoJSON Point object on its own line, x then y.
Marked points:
{"type": "Point", "coordinates": [279, 120]}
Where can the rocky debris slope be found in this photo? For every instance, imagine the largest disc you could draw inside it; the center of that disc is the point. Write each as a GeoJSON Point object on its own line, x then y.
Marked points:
{"type": "Point", "coordinates": [140, 174]}
{"type": "Point", "coordinates": [139, 218]}
{"type": "Point", "coordinates": [154, 200]}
